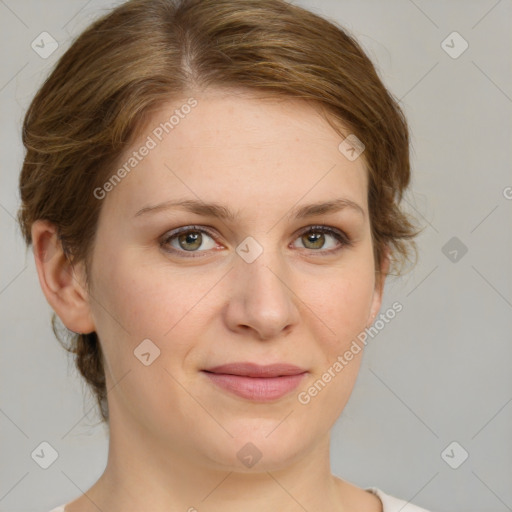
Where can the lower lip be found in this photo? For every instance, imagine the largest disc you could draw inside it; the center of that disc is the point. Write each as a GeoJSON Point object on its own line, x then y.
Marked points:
{"type": "Point", "coordinates": [260, 389]}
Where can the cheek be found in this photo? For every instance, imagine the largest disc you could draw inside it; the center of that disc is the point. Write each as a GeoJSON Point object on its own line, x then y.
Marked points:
{"type": "Point", "coordinates": [141, 301]}
{"type": "Point", "coordinates": [342, 305]}
{"type": "Point", "coordinates": [341, 315]}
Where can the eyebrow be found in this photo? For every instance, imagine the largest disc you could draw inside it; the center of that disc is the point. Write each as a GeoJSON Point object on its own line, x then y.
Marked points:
{"type": "Point", "coordinates": [219, 211]}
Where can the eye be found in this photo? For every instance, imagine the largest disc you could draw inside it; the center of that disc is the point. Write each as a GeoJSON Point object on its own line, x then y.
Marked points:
{"type": "Point", "coordinates": [188, 239]}
{"type": "Point", "coordinates": [195, 239]}
{"type": "Point", "coordinates": [317, 238]}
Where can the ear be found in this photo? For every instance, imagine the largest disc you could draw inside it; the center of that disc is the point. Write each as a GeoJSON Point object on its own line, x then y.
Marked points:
{"type": "Point", "coordinates": [63, 284]}
{"type": "Point", "coordinates": [380, 278]}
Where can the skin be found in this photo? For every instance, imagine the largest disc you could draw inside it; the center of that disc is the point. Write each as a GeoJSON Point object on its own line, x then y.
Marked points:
{"type": "Point", "coordinates": [174, 436]}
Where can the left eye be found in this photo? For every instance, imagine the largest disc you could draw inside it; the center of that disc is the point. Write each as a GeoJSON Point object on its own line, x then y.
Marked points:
{"type": "Point", "coordinates": [315, 237]}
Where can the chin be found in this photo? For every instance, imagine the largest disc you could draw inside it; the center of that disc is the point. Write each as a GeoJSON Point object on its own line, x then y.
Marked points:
{"type": "Point", "coordinates": [253, 450]}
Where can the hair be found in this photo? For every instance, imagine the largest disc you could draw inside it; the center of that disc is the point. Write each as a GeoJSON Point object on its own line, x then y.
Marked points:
{"type": "Point", "coordinates": [143, 54]}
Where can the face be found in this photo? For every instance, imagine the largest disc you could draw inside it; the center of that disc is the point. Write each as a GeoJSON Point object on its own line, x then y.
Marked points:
{"type": "Point", "coordinates": [260, 284]}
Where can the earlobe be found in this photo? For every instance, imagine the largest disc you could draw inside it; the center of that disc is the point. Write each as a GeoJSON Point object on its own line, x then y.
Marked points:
{"type": "Point", "coordinates": [384, 269]}
{"type": "Point", "coordinates": [379, 285]}
{"type": "Point", "coordinates": [62, 283]}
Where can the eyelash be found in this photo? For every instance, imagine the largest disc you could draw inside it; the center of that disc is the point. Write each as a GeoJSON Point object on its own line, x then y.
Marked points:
{"type": "Point", "coordinates": [339, 235]}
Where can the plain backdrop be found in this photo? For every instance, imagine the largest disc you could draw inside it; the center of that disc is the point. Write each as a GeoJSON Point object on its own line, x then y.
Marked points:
{"type": "Point", "coordinates": [435, 385]}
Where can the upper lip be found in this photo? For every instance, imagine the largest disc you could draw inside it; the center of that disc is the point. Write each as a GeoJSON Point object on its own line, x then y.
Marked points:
{"type": "Point", "coordinates": [256, 370]}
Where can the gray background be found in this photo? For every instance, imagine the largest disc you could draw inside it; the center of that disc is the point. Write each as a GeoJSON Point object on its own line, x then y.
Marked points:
{"type": "Point", "coordinates": [438, 373]}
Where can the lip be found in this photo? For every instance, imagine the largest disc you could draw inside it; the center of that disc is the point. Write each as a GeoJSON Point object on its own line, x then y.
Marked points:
{"type": "Point", "coordinates": [256, 382]}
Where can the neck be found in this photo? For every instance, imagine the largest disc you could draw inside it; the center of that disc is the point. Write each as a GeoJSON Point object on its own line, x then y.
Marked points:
{"type": "Point", "coordinates": [141, 474]}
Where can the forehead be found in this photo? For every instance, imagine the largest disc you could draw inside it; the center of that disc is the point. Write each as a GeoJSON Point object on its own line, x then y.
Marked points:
{"type": "Point", "coordinates": [239, 148]}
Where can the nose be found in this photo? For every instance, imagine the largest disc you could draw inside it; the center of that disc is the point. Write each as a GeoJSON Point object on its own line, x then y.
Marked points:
{"type": "Point", "coordinates": [262, 299]}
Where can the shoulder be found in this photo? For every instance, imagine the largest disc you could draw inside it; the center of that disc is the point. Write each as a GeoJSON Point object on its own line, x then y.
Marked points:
{"type": "Point", "coordinates": [392, 504]}
{"type": "Point", "coordinates": [389, 503]}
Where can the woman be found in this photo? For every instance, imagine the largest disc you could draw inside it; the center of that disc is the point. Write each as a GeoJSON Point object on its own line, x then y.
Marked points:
{"type": "Point", "coordinates": [212, 191]}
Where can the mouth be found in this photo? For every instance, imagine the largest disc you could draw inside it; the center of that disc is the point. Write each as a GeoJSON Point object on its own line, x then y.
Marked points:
{"type": "Point", "coordinates": [256, 382]}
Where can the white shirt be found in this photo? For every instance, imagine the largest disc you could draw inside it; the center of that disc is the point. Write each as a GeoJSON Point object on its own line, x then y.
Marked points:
{"type": "Point", "coordinates": [392, 504]}
{"type": "Point", "coordinates": [389, 503]}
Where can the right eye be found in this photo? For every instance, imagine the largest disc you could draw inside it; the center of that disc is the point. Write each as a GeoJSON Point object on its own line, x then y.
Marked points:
{"type": "Point", "coordinates": [188, 239]}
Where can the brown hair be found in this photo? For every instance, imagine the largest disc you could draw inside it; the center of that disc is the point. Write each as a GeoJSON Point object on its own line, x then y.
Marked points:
{"type": "Point", "coordinates": [144, 53]}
